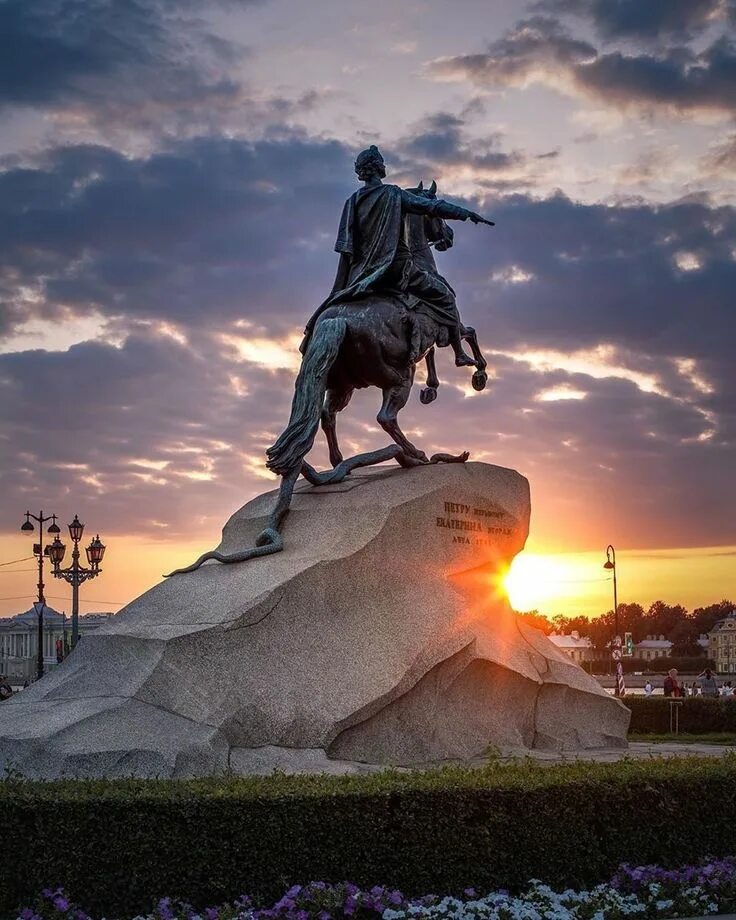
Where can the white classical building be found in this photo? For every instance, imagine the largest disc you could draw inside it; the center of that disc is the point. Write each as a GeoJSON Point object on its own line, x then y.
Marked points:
{"type": "Point", "coordinates": [19, 641]}
{"type": "Point", "coordinates": [722, 640]}
{"type": "Point", "coordinates": [653, 647]}
{"type": "Point", "coordinates": [579, 648]}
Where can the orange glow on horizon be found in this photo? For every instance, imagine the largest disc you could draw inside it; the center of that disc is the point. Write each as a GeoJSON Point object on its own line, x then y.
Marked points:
{"type": "Point", "coordinates": [576, 584]}
{"type": "Point", "coordinates": [570, 583]}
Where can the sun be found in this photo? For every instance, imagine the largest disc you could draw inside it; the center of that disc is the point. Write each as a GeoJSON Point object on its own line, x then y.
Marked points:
{"type": "Point", "coordinates": [528, 581]}
{"type": "Point", "coordinates": [550, 583]}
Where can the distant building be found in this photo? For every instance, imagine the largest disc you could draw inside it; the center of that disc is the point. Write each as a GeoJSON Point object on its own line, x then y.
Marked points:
{"type": "Point", "coordinates": [653, 647]}
{"type": "Point", "coordinates": [722, 640]}
{"type": "Point", "coordinates": [579, 648]}
{"type": "Point", "coordinates": [19, 640]}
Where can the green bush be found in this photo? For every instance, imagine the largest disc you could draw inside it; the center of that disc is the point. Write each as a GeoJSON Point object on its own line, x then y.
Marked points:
{"type": "Point", "coordinates": [117, 846]}
{"type": "Point", "coordinates": [697, 715]}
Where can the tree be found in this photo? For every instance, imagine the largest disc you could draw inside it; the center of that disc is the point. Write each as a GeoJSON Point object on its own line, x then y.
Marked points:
{"type": "Point", "coordinates": [537, 620]}
{"type": "Point", "coordinates": [661, 619]}
{"type": "Point", "coordinates": [705, 618]}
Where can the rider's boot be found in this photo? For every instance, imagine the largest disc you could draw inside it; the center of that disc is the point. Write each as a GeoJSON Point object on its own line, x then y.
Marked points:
{"type": "Point", "coordinates": [462, 359]}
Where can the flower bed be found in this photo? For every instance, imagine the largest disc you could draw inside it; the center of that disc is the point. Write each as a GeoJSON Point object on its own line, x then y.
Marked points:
{"type": "Point", "coordinates": [123, 844]}
{"type": "Point", "coordinates": [644, 891]}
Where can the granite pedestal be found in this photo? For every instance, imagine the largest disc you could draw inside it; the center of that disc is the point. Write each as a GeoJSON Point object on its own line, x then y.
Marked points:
{"type": "Point", "coordinates": [381, 635]}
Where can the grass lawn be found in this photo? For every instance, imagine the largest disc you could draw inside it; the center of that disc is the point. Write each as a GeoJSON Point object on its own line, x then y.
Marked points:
{"type": "Point", "coordinates": [685, 738]}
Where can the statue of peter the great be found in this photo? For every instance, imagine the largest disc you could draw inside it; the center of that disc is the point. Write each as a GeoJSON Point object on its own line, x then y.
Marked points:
{"type": "Point", "coordinates": [376, 258]}
{"type": "Point", "coordinates": [388, 310]}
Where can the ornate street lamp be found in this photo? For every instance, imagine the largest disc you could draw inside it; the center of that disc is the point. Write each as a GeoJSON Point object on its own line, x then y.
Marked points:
{"type": "Point", "coordinates": [95, 551]}
{"type": "Point", "coordinates": [76, 574]}
{"type": "Point", "coordinates": [40, 551]}
{"type": "Point", "coordinates": [610, 564]}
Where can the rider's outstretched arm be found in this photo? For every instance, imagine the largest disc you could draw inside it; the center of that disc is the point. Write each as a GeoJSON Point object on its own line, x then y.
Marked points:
{"type": "Point", "coordinates": [438, 207]}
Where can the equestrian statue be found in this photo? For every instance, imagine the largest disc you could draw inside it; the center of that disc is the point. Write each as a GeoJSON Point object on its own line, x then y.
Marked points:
{"type": "Point", "coordinates": [388, 310]}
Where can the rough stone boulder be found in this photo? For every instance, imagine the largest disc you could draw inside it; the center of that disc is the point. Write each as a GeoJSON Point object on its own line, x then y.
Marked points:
{"type": "Point", "coordinates": [379, 636]}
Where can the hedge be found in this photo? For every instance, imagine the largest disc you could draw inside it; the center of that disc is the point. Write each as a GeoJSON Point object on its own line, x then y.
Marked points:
{"type": "Point", "coordinates": [117, 846]}
{"type": "Point", "coordinates": [697, 715]}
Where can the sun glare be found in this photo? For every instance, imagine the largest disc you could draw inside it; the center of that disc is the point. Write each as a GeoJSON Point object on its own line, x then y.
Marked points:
{"type": "Point", "coordinates": [548, 582]}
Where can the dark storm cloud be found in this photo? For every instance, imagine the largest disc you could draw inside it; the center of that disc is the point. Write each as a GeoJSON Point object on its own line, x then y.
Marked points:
{"type": "Point", "coordinates": [107, 61]}
{"type": "Point", "coordinates": [212, 227]}
{"type": "Point", "coordinates": [653, 20]}
{"type": "Point", "coordinates": [541, 49]}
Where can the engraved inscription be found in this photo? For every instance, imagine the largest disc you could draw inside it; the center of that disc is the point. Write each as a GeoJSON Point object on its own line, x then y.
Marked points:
{"type": "Point", "coordinates": [462, 520]}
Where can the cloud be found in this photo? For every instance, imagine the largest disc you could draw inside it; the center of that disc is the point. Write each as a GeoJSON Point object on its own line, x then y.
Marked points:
{"type": "Point", "coordinates": [532, 50]}
{"type": "Point", "coordinates": [720, 160]}
{"type": "Point", "coordinates": [441, 139]}
{"type": "Point", "coordinates": [201, 262]}
{"type": "Point", "coordinates": [212, 228]}
{"type": "Point", "coordinates": [106, 62]}
{"type": "Point", "coordinates": [651, 21]}
{"type": "Point", "coordinates": [441, 144]}
{"type": "Point", "coordinates": [541, 50]}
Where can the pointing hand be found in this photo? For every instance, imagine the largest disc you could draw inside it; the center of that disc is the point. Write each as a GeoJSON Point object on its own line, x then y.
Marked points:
{"type": "Point", "coordinates": [477, 219]}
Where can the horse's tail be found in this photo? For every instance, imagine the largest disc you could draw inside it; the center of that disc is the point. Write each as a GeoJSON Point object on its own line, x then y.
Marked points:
{"type": "Point", "coordinates": [309, 394]}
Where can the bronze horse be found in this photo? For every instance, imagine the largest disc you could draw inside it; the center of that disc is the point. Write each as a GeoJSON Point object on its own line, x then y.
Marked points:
{"type": "Point", "coordinates": [375, 341]}
{"type": "Point", "coordinates": [387, 362]}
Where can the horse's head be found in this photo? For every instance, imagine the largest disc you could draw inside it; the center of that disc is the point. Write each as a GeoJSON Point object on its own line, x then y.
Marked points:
{"type": "Point", "coordinates": [438, 232]}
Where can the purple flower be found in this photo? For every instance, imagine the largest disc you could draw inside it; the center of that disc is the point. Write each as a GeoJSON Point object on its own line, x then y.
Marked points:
{"type": "Point", "coordinates": [350, 904]}
{"type": "Point", "coordinates": [396, 897]}
{"type": "Point", "coordinates": [164, 909]}
{"type": "Point", "coordinates": [469, 893]}
{"type": "Point", "coordinates": [61, 904]}
{"type": "Point", "coordinates": [211, 913]}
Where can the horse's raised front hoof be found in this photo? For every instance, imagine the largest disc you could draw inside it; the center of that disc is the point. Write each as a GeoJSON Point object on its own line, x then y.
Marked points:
{"type": "Point", "coordinates": [428, 395]}
{"type": "Point", "coordinates": [480, 378]}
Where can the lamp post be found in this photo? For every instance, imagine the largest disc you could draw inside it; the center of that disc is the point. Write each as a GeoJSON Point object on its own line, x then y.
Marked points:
{"type": "Point", "coordinates": [76, 574]}
{"type": "Point", "coordinates": [40, 551]}
{"type": "Point", "coordinates": [610, 564]}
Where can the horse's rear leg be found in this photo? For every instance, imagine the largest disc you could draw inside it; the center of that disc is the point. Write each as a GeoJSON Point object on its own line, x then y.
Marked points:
{"type": "Point", "coordinates": [335, 401]}
{"type": "Point", "coordinates": [480, 377]}
{"type": "Point", "coordinates": [394, 400]}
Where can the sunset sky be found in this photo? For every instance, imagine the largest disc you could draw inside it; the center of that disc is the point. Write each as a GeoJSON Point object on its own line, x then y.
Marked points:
{"type": "Point", "coordinates": [171, 180]}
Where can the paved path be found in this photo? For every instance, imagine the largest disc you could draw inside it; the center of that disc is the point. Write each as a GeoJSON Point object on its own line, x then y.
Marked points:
{"type": "Point", "coordinates": [636, 749]}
